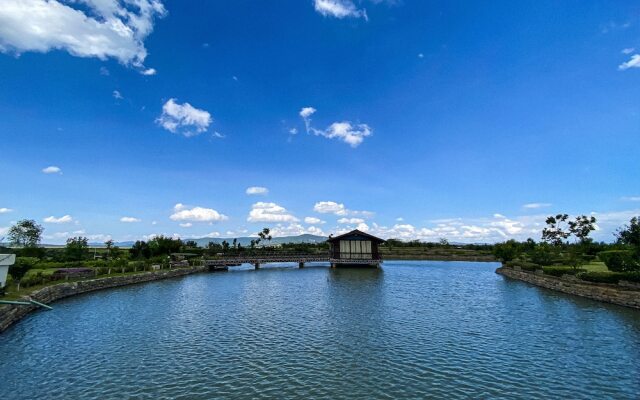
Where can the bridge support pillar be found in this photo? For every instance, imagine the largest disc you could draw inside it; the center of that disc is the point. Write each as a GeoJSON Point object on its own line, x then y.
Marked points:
{"type": "Point", "coordinates": [257, 265]}
{"type": "Point", "coordinates": [301, 265]}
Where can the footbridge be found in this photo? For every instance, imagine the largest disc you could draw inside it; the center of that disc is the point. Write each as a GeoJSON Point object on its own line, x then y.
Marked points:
{"type": "Point", "coordinates": [334, 260]}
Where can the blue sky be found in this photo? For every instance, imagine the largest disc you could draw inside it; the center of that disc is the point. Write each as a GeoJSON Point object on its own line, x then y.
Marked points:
{"type": "Point", "coordinates": [464, 120]}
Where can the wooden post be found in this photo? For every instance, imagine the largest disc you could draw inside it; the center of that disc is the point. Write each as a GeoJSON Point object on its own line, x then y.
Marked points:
{"type": "Point", "coordinates": [257, 265]}
{"type": "Point", "coordinates": [301, 265]}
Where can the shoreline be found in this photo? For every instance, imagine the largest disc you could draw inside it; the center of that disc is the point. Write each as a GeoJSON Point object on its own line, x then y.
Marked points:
{"type": "Point", "coordinates": [625, 295]}
{"type": "Point", "coordinates": [10, 314]}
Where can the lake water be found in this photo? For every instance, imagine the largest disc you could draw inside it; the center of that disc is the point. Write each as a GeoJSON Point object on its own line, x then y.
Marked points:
{"type": "Point", "coordinates": [410, 330]}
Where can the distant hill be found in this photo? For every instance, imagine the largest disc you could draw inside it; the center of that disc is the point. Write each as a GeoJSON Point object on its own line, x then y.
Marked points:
{"type": "Point", "coordinates": [244, 241]}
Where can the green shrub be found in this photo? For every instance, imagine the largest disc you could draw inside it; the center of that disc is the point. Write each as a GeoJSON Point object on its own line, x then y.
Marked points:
{"type": "Point", "coordinates": [524, 265]}
{"type": "Point", "coordinates": [602, 277]}
{"type": "Point", "coordinates": [618, 260]}
{"type": "Point", "coordinates": [559, 271]}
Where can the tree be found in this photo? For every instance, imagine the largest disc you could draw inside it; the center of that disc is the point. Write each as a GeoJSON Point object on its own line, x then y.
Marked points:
{"type": "Point", "coordinates": [191, 244]}
{"type": "Point", "coordinates": [140, 249]}
{"type": "Point", "coordinates": [265, 234]}
{"type": "Point", "coordinates": [556, 231]}
{"type": "Point", "coordinates": [25, 233]}
{"type": "Point", "coordinates": [506, 251]}
{"type": "Point", "coordinates": [582, 227]}
{"type": "Point", "coordinates": [108, 245]}
{"type": "Point", "coordinates": [630, 234]}
{"type": "Point", "coordinates": [225, 246]}
{"type": "Point", "coordinates": [76, 249]}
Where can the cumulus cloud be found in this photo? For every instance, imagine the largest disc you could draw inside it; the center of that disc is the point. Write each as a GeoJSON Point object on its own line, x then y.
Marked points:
{"type": "Point", "coordinates": [186, 225]}
{"type": "Point", "coordinates": [52, 170]}
{"type": "Point", "coordinates": [184, 119]}
{"type": "Point", "coordinates": [628, 50]}
{"type": "Point", "coordinates": [634, 62]}
{"type": "Point", "coordinates": [196, 214]}
{"type": "Point", "coordinates": [149, 72]}
{"type": "Point", "coordinates": [339, 9]}
{"type": "Point", "coordinates": [331, 207]}
{"type": "Point", "coordinates": [496, 228]}
{"type": "Point", "coordinates": [313, 221]}
{"type": "Point", "coordinates": [117, 95]}
{"type": "Point", "coordinates": [351, 221]}
{"type": "Point", "coordinates": [5, 210]}
{"type": "Point", "coordinates": [346, 131]}
{"type": "Point", "coordinates": [62, 220]}
{"type": "Point", "coordinates": [269, 212]}
{"type": "Point", "coordinates": [84, 28]}
{"type": "Point", "coordinates": [295, 229]}
{"type": "Point", "coordinates": [533, 206]}
{"type": "Point", "coordinates": [129, 219]}
{"type": "Point", "coordinates": [257, 190]}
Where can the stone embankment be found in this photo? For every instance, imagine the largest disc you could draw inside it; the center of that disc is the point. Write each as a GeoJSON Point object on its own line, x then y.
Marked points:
{"type": "Point", "coordinates": [10, 314]}
{"type": "Point", "coordinates": [625, 293]}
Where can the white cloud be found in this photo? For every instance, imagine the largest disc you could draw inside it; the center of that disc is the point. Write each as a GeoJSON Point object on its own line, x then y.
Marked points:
{"type": "Point", "coordinates": [628, 50]}
{"type": "Point", "coordinates": [399, 219]}
{"type": "Point", "coordinates": [62, 220]}
{"type": "Point", "coordinates": [313, 221]}
{"type": "Point", "coordinates": [129, 219]}
{"type": "Point", "coordinates": [339, 9]}
{"type": "Point", "coordinates": [52, 170]}
{"type": "Point", "coordinates": [117, 95]}
{"type": "Point", "coordinates": [420, 55]}
{"type": "Point", "coordinates": [5, 210]}
{"type": "Point", "coordinates": [293, 131]}
{"type": "Point", "coordinates": [84, 28]}
{"type": "Point", "coordinates": [196, 214]}
{"type": "Point", "coordinates": [4, 230]}
{"type": "Point", "coordinates": [346, 131]}
{"type": "Point", "coordinates": [331, 207]}
{"type": "Point", "coordinates": [496, 228]}
{"type": "Point", "coordinates": [184, 119]}
{"type": "Point", "coordinates": [634, 62]}
{"type": "Point", "coordinates": [269, 212]}
{"type": "Point", "coordinates": [257, 190]}
{"type": "Point", "coordinates": [218, 135]}
{"type": "Point", "coordinates": [295, 229]}
{"type": "Point", "coordinates": [351, 221]}
{"type": "Point", "coordinates": [533, 206]}
{"type": "Point", "coordinates": [630, 198]}
{"type": "Point", "coordinates": [186, 225]}
{"type": "Point", "coordinates": [149, 72]}
{"type": "Point", "coordinates": [306, 112]}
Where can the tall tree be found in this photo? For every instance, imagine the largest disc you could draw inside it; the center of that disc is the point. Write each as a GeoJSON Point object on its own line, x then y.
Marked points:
{"type": "Point", "coordinates": [630, 235]}
{"type": "Point", "coordinates": [25, 233]}
{"type": "Point", "coordinates": [557, 230]}
{"type": "Point", "coordinates": [76, 249]}
{"type": "Point", "coordinates": [582, 227]}
{"type": "Point", "coordinates": [265, 234]}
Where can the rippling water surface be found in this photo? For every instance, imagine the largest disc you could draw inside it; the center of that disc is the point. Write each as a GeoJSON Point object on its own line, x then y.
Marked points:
{"type": "Point", "coordinates": [409, 330]}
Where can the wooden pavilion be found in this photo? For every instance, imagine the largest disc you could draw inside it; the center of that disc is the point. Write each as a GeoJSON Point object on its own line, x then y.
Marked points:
{"type": "Point", "coordinates": [355, 248]}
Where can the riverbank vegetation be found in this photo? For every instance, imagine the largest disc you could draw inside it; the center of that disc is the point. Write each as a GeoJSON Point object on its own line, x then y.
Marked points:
{"type": "Point", "coordinates": [567, 249]}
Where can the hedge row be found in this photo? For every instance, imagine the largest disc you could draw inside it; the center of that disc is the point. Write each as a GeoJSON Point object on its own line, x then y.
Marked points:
{"type": "Point", "coordinates": [610, 277]}
{"type": "Point", "coordinates": [559, 271]}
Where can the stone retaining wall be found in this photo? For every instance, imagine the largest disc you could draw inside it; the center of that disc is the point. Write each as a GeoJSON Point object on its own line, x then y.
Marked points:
{"type": "Point", "coordinates": [10, 314]}
{"type": "Point", "coordinates": [624, 295]}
